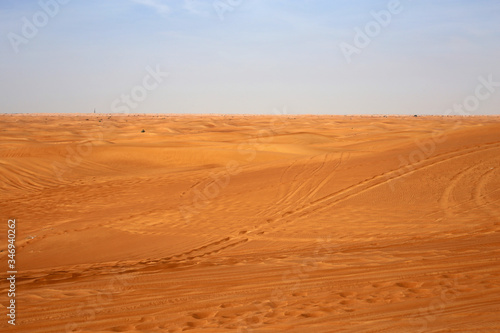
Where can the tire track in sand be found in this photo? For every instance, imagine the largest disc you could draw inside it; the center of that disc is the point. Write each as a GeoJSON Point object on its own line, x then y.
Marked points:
{"type": "Point", "coordinates": [384, 178]}
{"type": "Point", "coordinates": [351, 191]}
{"type": "Point", "coordinates": [481, 199]}
{"type": "Point", "coordinates": [447, 202]}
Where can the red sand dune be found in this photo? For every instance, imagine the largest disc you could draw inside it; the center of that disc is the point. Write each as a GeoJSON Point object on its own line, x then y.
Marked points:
{"type": "Point", "coordinates": [252, 223]}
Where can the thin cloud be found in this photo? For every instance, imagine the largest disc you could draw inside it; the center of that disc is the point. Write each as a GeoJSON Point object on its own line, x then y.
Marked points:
{"type": "Point", "coordinates": [158, 6]}
{"type": "Point", "coordinates": [197, 7]}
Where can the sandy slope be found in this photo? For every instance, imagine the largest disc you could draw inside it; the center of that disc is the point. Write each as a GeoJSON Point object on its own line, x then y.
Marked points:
{"type": "Point", "coordinates": [252, 224]}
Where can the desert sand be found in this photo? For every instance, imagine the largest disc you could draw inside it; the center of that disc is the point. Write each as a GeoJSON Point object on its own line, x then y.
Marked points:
{"type": "Point", "coordinates": [252, 223]}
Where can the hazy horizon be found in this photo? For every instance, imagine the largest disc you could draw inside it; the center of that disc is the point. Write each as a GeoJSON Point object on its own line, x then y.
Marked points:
{"type": "Point", "coordinates": [250, 57]}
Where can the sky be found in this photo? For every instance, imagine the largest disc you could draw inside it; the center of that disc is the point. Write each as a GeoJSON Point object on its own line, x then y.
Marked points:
{"type": "Point", "coordinates": [250, 56]}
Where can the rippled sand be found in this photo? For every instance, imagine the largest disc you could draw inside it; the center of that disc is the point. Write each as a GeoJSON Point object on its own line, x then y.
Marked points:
{"type": "Point", "coordinates": [252, 223]}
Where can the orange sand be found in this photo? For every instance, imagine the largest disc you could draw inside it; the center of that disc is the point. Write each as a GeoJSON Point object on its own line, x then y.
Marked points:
{"type": "Point", "coordinates": [252, 223]}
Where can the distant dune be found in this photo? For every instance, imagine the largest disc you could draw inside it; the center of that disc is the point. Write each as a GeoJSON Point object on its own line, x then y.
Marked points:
{"type": "Point", "coordinates": [240, 223]}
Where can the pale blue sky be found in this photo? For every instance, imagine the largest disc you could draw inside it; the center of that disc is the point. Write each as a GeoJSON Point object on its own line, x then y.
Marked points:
{"type": "Point", "coordinates": [261, 55]}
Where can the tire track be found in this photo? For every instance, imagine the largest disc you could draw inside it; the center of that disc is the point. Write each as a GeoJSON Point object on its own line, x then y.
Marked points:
{"type": "Point", "coordinates": [446, 202]}
{"type": "Point", "coordinates": [284, 191]}
{"type": "Point", "coordinates": [480, 198]}
{"type": "Point", "coordinates": [322, 203]}
{"type": "Point", "coordinates": [384, 178]}
{"type": "Point", "coordinates": [330, 175]}
{"type": "Point", "coordinates": [302, 184]}
{"type": "Point", "coordinates": [313, 187]}
{"type": "Point", "coordinates": [366, 185]}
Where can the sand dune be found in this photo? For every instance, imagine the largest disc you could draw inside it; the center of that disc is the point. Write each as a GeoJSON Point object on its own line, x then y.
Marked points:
{"type": "Point", "coordinates": [252, 223]}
